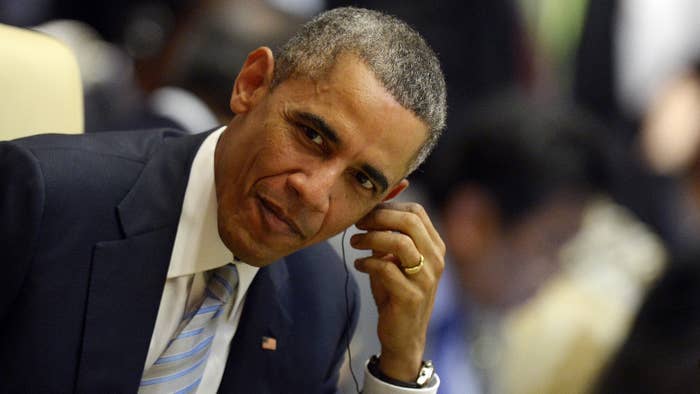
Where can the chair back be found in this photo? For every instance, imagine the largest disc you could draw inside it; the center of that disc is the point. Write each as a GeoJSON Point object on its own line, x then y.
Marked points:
{"type": "Point", "coordinates": [40, 87]}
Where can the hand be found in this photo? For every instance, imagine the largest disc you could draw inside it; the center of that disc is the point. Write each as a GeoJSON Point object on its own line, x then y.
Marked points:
{"type": "Point", "coordinates": [398, 234]}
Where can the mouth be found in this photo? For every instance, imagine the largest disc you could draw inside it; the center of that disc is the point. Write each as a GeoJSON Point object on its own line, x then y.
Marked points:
{"type": "Point", "coordinates": [273, 213]}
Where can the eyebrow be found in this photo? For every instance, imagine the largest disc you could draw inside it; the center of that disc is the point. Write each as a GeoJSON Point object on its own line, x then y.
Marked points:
{"type": "Point", "coordinates": [320, 125]}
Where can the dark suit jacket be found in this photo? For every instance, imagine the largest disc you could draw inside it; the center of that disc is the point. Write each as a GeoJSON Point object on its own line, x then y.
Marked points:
{"type": "Point", "coordinates": [87, 225]}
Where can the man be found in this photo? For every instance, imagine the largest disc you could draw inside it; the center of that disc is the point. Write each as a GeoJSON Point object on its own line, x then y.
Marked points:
{"type": "Point", "coordinates": [547, 271]}
{"type": "Point", "coordinates": [511, 189]}
{"type": "Point", "coordinates": [114, 244]}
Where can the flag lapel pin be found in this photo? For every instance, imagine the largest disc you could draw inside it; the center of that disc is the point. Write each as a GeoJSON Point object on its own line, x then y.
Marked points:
{"type": "Point", "coordinates": [269, 343]}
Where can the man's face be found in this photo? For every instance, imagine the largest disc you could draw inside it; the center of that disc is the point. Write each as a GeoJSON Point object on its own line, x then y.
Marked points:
{"type": "Point", "coordinates": [302, 162]}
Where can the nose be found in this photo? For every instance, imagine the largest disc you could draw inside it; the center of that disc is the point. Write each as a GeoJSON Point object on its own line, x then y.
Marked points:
{"type": "Point", "coordinates": [313, 186]}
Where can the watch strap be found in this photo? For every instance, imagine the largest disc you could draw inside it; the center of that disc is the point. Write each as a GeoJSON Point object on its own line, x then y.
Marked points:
{"type": "Point", "coordinates": [424, 376]}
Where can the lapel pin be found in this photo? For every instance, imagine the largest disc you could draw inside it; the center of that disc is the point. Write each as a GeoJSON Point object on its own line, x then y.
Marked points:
{"type": "Point", "coordinates": [269, 343]}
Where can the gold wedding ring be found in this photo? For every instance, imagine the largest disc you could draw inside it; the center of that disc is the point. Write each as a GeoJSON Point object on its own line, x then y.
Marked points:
{"type": "Point", "coordinates": [416, 268]}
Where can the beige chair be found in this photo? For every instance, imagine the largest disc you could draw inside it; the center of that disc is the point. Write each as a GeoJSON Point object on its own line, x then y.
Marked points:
{"type": "Point", "coordinates": [40, 89]}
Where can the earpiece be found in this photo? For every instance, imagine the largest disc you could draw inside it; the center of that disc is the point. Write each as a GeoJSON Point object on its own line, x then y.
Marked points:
{"type": "Point", "coordinates": [347, 311]}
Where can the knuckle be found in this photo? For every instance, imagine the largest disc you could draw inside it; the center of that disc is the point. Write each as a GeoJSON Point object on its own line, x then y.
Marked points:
{"type": "Point", "coordinates": [412, 221]}
{"type": "Point", "coordinates": [404, 242]}
{"type": "Point", "coordinates": [418, 210]}
{"type": "Point", "coordinates": [412, 207]}
{"type": "Point", "coordinates": [386, 268]}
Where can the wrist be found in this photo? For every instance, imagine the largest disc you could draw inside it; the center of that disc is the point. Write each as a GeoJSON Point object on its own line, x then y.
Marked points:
{"type": "Point", "coordinates": [424, 376]}
{"type": "Point", "coordinates": [400, 366]}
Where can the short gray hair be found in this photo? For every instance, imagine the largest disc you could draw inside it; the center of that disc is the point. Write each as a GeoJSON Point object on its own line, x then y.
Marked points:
{"type": "Point", "coordinates": [397, 55]}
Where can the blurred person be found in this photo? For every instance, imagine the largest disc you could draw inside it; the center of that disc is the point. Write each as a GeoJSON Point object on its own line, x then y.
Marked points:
{"type": "Point", "coordinates": [511, 191]}
{"type": "Point", "coordinates": [113, 100]}
{"type": "Point", "coordinates": [166, 63]}
{"type": "Point", "coordinates": [510, 188]}
{"type": "Point", "coordinates": [159, 262]}
{"type": "Point", "coordinates": [214, 39]}
{"type": "Point", "coordinates": [517, 188]}
{"type": "Point", "coordinates": [662, 352]}
{"type": "Point", "coordinates": [113, 43]}
{"type": "Point", "coordinates": [669, 143]}
{"type": "Point", "coordinates": [630, 53]}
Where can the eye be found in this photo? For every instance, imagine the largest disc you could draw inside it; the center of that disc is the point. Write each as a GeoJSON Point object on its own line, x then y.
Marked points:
{"type": "Point", "coordinates": [312, 135]}
{"type": "Point", "coordinates": [364, 181]}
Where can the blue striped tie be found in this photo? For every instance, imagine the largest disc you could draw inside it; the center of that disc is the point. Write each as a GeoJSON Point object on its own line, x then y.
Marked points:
{"type": "Point", "coordinates": [181, 366]}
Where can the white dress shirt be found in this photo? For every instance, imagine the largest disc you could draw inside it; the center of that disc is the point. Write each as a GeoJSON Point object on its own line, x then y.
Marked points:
{"type": "Point", "coordinates": [198, 249]}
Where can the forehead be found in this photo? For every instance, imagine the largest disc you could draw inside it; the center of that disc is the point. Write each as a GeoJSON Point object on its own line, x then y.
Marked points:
{"type": "Point", "coordinates": [370, 123]}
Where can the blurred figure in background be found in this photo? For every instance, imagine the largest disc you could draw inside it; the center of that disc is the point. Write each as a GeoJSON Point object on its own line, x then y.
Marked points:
{"type": "Point", "coordinates": [629, 50]}
{"type": "Point", "coordinates": [631, 54]}
{"type": "Point", "coordinates": [669, 143]}
{"type": "Point", "coordinates": [523, 218]}
{"type": "Point", "coordinates": [160, 63]}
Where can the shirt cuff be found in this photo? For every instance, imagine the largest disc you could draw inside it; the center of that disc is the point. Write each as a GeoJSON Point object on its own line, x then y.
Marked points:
{"type": "Point", "coordinates": [374, 385]}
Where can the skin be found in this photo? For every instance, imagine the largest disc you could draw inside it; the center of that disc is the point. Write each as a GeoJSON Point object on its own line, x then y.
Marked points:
{"type": "Point", "coordinates": [303, 161]}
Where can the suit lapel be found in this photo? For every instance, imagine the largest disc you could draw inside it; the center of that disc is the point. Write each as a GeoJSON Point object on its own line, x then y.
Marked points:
{"type": "Point", "coordinates": [127, 276]}
{"type": "Point", "coordinates": [251, 368]}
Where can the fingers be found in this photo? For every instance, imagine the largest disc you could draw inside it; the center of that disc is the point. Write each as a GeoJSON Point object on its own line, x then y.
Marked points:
{"type": "Point", "coordinates": [398, 234]}
{"type": "Point", "coordinates": [390, 276]}
{"type": "Point", "coordinates": [395, 249]}
{"type": "Point", "coordinates": [390, 273]}
{"type": "Point", "coordinates": [387, 242]}
{"type": "Point", "coordinates": [408, 218]}
{"type": "Point", "coordinates": [406, 232]}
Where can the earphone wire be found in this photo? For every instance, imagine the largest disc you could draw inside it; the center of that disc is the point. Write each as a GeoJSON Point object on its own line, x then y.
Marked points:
{"type": "Point", "coordinates": [347, 311]}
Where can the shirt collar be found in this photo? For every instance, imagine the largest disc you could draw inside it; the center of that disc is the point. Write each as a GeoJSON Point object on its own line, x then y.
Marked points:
{"type": "Point", "coordinates": [198, 246]}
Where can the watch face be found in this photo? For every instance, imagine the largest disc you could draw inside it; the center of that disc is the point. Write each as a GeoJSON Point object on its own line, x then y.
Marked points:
{"type": "Point", "coordinates": [426, 373]}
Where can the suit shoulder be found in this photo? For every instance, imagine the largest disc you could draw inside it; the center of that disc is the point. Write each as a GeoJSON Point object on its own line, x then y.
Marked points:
{"type": "Point", "coordinates": [319, 267]}
{"type": "Point", "coordinates": [21, 209]}
{"type": "Point", "coordinates": [135, 145]}
{"type": "Point", "coordinates": [320, 256]}
{"type": "Point", "coordinates": [89, 172]}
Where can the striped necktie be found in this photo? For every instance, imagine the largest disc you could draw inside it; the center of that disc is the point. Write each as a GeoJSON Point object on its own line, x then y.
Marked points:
{"type": "Point", "coordinates": [181, 366]}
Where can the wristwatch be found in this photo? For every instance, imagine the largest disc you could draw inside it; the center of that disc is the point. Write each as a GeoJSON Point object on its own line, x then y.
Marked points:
{"type": "Point", "coordinates": [425, 375]}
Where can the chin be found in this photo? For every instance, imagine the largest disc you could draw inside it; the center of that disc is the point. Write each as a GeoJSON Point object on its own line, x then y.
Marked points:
{"type": "Point", "coordinates": [247, 249]}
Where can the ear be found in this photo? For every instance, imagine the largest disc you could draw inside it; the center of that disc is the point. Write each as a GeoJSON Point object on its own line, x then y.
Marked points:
{"type": "Point", "coordinates": [471, 221]}
{"type": "Point", "coordinates": [396, 190]}
{"type": "Point", "coordinates": [253, 81]}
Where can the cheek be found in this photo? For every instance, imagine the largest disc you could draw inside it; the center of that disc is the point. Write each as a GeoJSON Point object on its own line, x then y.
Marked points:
{"type": "Point", "coordinates": [345, 210]}
{"type": "Point", "coordinates": [275, 159]}
{"type": "Point", "coordinates": [268, 156]}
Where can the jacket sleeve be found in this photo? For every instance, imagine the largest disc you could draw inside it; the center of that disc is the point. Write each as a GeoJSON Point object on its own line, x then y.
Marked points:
{"type": "Point", "coordinates": [21, 209]}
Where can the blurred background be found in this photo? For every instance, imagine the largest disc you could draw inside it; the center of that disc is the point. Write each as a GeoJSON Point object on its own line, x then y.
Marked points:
{"type": "Point", "coordinates": [567, 186]}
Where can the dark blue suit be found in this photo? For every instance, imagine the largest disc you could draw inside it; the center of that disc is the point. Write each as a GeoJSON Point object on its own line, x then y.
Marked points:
{"type": "Point", "coordinates": [87, 225]}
